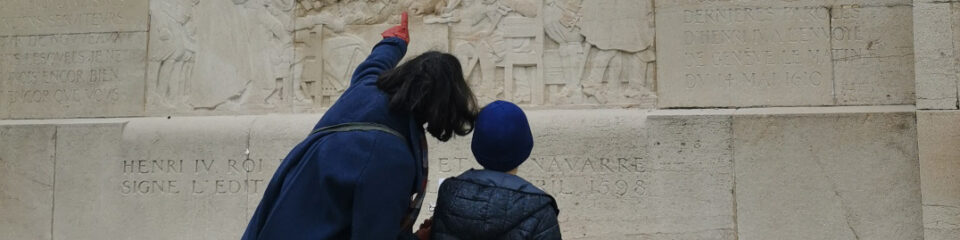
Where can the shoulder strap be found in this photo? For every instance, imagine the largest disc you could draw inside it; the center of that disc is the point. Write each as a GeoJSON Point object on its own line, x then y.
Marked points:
{"type": "Point", "coordinates": [360, 126]}
{"type": "Point", "coordinates": [417, 201]}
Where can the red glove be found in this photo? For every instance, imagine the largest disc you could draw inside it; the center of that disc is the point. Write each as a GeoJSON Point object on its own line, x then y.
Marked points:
{"type": "Point", "coordinates": [399, 31]}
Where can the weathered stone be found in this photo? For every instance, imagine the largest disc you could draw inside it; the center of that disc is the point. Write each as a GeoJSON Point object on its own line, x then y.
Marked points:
{"type": "Point", "coordinates": [936, 63]}
{"type": "Point", "coordinates": [827, 175]}
{"type": "Point", "coordinates": [220, 57]}
{"type": "Point", "coordinates": [691, 155]}
{"type": "Point", "coordinates": [26, 181]}
{"type": "Point", "coordinates": [784, 53]}
{"type": "Point", "coordinates": [158, 179]}
{"type": "Point", "coordinates": [614, 25]}
{"type": "Point", "coordinates": [210, 165]}
{"type": "Point", "coordinates": [73, 75]}
{"type": "Point", "coordinates": [872, 52]}
{"type": "Point", "coordinates": [617, 177]}
{"type": "Point", "coordinates": [939, 136]}
{"type": "Point", "coordinates": [768, 56]}
{"type": "Point", "coordinates": [4, 114]}
{"type": "Point", "coordinates": [88, 163]}
{"type": "Point", "coordinates": [563, 52]}
{"type": "Point", "coordinates": [33, 17]}
{"type": "Point", "coordinates": [329, 58]}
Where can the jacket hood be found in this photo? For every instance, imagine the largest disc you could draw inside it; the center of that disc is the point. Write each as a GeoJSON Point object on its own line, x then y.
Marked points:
{"type": "Point", "coordinates": [487, 204]}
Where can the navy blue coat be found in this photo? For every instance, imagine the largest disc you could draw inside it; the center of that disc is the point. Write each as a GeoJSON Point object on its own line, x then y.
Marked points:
{"type": "Point", "coordinates": [348, 185]}
{"type": "Point", "coordinates": [491, 205]}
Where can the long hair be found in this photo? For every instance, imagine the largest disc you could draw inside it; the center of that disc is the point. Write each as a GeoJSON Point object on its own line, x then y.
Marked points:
{"type": "Point", "coordinates": [432, 88]}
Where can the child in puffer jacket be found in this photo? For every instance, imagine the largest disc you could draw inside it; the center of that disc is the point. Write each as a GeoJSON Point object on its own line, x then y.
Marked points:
{"type": "Point", "coordinates": [494, 203]}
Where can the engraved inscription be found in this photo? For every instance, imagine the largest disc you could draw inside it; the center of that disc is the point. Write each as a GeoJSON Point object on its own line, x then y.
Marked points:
{"type": "Point", "coordinates": [35, 17]}
{"type": "Point", "coordinates": [873, 61]}
{"type": "Point", "coordinates": [66, 75]}
{"type": "Point", "coordinates": [149, 177]}
{"type": "Point", "coordinates": [762, 51]}
{"type": "Point", "coordinates": [749, 56]}
{"type": "Point", "coordinates": [579, 176]}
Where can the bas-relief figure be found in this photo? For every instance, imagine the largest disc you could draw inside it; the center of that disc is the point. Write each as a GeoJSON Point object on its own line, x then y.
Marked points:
{"type": "Point", "coordinates": [331, 40]}
{"type": "Point", "coordinates": [502, 45]}
{"type": "Point", "coordinates": [598, 53]}
{"type": "Point", "coordinates": [220, 55]}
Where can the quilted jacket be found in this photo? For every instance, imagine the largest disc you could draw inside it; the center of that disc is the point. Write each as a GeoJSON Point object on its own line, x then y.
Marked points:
{"type": "Point", "coordinates": [484, 204]}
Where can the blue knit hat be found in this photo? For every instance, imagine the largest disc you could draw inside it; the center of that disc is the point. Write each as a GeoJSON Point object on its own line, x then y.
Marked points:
{"type": "Point", "coordinates": [501, 137]}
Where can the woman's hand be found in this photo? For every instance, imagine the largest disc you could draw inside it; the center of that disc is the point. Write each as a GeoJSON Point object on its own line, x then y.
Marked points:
{"type": "Point", "coordinates": [399, 31]}
{"type": "Point", "coordinates": [424, 232]}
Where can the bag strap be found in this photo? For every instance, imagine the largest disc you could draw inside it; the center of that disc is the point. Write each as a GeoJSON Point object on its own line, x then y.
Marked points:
{"type": "Point", "coordinates": [417, 201]}
{"type": "Point", "coordinates": [359, 126]}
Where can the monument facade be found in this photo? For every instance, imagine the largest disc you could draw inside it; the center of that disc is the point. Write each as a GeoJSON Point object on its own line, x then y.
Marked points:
{"type": "Point", "coordinates": [685, 119]}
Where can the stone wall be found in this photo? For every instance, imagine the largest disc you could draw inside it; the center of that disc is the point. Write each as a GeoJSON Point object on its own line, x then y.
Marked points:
{"type": "Point", "coordinates": [756, 119]}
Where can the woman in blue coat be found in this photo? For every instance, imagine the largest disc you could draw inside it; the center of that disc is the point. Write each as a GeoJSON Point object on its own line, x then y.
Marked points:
{"type": "Point", "coordinates": [356, 175]}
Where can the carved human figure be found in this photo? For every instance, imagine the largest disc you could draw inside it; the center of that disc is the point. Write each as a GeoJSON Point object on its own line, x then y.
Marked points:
{"type": "Point", "coordinates": [477, 42]}
{"type": "Point", "coordinates": [174, 50]}
{"type": "Point", "coordinates": [345, 52]}
{"type": "Point", "coordinates": [614, 27]}
{"type": "Point", "coordinates": [273, 16]}
{"type": "Point", "coordinates": [561, 24]}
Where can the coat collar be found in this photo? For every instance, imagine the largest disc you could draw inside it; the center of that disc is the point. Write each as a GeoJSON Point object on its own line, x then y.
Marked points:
{"type": "Point", "coordinates": [500, 179]}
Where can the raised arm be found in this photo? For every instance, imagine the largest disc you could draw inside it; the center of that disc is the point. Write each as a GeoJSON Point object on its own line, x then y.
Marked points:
{"type": "Point", "coordinates": [386, 54]}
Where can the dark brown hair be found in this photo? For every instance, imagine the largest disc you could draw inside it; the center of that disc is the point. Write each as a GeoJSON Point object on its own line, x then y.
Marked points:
{"type": "Point", "coordinates": [432, 88]}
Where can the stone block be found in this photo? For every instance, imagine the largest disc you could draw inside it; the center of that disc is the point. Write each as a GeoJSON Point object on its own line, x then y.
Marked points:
{"type": "Point", "coordinates": [4, 114]}
{"type": "Point", "coordinates": [616, 175]}
{"type": "Point", "coordinates": [827, 175]}
{"type": "Point", "coordinates": [26, 181]}
{"type": "Point", "coordinates": [88, 161]}
{"type": "Point", "coordinates": [156, 178]}
{"type": "Point", "coordinates": [872, 52]}
{"type": "Point", "coordinates": [30, 17]}
{"type": "Point", "coordinates": [691, 156]}
{"type": "Point", "coordinates": [936, 63]}
{"type": "Point", "coordinates": [768, 56]}
{"type": "Point", "coordinates": [206, 158]}
{"type": "Point", "coordinates": [73, 75]}
{"type": "Point", "coordinates": [784, 53]}
{"type": "Point", "coordinates": [939, 138]}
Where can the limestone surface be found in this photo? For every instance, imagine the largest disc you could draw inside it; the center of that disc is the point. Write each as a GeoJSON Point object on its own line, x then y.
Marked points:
{"type": "Point", "coordinates": [220, 57]}
{"type": "Point", "coordinates": [784, 53]}
{"type": "Point", "coordinates": [939, 162]}
{"type": "Point", "coordinates": [72, 58]}
{"type": "Point", "coordinates": [73, 75]}
{"type": "Point", "coordinates": [664, 120]}
{"type": "Point", "coordinates": [795, 173]}
{"type": "Point", "coordinates": [619, 174]}
{"type": "Point", "coordinates": [81, 196]}
{"type": "Point", "coordinates": [935, 37]}
{"type": "Point", "coordinates": [27, 159]}
{"type": "Point", "coordinates": [44, 17]}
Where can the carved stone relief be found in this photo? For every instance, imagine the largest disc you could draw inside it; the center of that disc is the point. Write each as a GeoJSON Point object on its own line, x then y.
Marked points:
{"type": "Point", "coordinates": [333, 37]}
{"type": "Point", "coordinates": [532, 52]}
{"type": "Point", "coordinates": [597, 53]}
{"type": "Point", "coordinates": [220, 56]}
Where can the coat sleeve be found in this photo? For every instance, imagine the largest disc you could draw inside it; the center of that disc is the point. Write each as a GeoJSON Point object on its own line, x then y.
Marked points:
{"type": "Point", "coordinates": [385, 56]}
{"type": "Point", "coordinates": [382, 198]}
{"type": "Point", "coordinates": [548, 227]}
